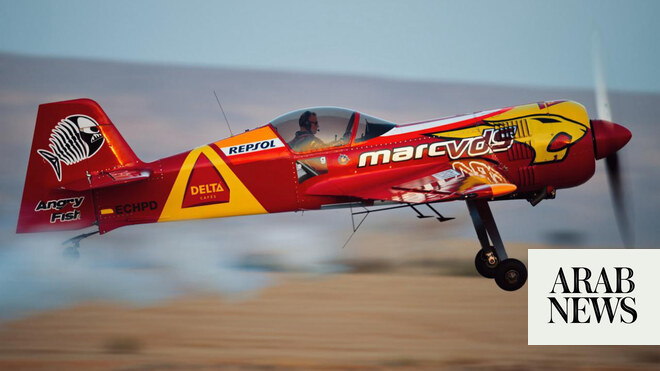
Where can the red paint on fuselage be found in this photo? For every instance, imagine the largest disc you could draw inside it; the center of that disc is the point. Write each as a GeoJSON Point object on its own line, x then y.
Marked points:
{"type": "Point", "coordinates": [271, 178]}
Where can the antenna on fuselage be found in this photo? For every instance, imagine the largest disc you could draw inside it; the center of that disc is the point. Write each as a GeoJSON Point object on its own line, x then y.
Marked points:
{"type": "Point", "coordinates": [223, 113]}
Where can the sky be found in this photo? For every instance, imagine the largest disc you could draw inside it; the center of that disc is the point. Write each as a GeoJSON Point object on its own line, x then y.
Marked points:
{"type": "Point", "coordinates": [521, 43]}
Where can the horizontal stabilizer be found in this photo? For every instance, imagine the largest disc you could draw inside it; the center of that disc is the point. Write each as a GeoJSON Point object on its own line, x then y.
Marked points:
{"type": "Point", "coordinates": [108, 179]}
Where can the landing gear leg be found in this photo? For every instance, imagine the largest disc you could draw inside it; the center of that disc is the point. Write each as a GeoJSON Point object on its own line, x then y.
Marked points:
{"type": "Point", "coordinates": [492, 260]}
{"type": "Point", "coordinates": [71, 251]}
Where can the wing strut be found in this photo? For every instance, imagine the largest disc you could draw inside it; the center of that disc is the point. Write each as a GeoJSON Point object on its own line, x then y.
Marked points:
{"type": "Point", "coordinates": [366, 213]}
{"type": "Point", "coordinates": [355, 228]}
{"type": "Point", "coordinates": [440, 217]}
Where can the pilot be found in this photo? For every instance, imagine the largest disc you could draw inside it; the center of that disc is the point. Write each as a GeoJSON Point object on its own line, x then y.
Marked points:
{"type": "Point", "coordinates": [305, 139]}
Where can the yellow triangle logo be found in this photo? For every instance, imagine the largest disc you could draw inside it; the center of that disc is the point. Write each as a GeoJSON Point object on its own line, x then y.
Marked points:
{"type": "Point", "coordinates": [241, 201]}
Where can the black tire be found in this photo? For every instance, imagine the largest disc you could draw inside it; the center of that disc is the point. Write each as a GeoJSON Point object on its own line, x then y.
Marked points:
{"type": "Point", "coordinates": [71, 253]}
{"type": "Point", "coordinates": [483, 267]}
{"type": "Point", "coordinates": [511, 275]}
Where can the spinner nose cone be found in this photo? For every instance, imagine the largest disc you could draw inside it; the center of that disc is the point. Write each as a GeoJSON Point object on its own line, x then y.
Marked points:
{"type": "Point", "coordinates": [608, 137]}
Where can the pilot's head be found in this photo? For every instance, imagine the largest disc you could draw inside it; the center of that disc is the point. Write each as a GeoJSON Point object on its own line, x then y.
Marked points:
{"type": "Point", "coordinates": [309, 122]}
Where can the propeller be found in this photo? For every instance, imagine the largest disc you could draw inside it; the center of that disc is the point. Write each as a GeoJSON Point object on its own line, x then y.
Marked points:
{"type": "Point", "coordinates": [614, 177]}
{"type": "Point", "coordinates": [609, 138]}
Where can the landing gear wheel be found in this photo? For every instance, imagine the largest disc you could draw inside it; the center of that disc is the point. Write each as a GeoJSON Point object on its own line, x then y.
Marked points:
{"type": "Point", "coordinates": [486, 263]}
{"type": "Point", "coordinates": [71, 252]}
{"type": "Point", "coordinates": [511, 275]}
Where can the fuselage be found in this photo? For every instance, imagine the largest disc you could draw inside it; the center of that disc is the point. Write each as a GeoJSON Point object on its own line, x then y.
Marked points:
{"type": "Point", "coordinates": [533, 146]}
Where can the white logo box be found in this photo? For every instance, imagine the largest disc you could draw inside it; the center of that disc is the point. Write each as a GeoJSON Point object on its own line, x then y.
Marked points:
{"type": "Point", "coordinates": [644, 300]}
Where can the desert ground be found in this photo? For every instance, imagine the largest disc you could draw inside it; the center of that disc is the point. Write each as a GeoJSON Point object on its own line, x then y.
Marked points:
{"type": "Point", "coordinates": [402, 313]}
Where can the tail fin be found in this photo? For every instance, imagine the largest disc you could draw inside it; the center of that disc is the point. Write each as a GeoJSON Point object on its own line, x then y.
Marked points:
{"type": "Point", "coordinates": [73, 140]}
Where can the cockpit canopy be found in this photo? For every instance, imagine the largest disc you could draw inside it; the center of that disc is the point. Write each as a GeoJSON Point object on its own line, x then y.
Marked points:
{"type": "Point", "coordinates": [336, 128]}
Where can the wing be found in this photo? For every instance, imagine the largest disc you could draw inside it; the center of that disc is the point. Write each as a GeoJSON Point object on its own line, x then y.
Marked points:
{"type": "Point", "coordinates": [461, 179]}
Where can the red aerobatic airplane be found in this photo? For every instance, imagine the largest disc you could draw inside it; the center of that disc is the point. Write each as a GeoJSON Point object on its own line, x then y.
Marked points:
{"type": "Point", "coordinates": [82, 173]}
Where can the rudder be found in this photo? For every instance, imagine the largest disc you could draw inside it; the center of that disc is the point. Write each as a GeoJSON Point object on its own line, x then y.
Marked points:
{"type": "Point", "coordinates": [73, 140]}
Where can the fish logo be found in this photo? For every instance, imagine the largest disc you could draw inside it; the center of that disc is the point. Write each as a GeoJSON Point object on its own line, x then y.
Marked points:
{"type": "Point", "coordinates": [75, 138]}
{"type": "Point", "coordinates": [550, 136]}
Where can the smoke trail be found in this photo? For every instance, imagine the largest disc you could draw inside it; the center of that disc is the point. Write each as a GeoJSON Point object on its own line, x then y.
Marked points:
{"type": "Point", "coordinates": [143, 265]}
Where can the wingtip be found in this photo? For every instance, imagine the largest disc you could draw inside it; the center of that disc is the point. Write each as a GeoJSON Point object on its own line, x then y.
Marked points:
{"type": "Point", "coordinates": [502, 189]}
{"type": "Point", "coordinates": [492, 190]}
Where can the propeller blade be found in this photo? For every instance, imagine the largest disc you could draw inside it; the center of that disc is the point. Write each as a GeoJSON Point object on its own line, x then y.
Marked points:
{"type": "Point", "coordinates": [618, 199]}
{"type": "Point", "coordinates": [602, 101]}
{"type": "Point", "coordinates": [612, 160]}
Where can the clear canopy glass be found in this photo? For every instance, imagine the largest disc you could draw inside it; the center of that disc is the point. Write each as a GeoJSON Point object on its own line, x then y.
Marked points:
{"type": "Point", "coordinates": [334, 129]}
